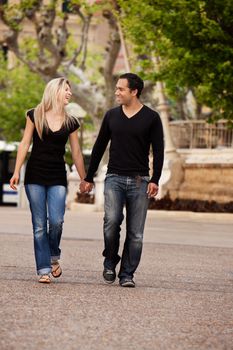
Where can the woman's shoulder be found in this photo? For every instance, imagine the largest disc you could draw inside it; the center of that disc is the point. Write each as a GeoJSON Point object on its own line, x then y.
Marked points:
{"type": "Point", "coordinates": [74, 123]}
{"type": "Point", "coordinates": [30, 114]}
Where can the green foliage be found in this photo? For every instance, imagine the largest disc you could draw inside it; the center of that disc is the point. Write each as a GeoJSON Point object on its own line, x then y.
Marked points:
{"type": "Point", "coordinates": [90, 7]}
{"type": "Point", "coordinates": [93, 63]}
{"type": "Point", "coordinates": [12, 15]}
{"type": "Point", "coordinates": [30, 48]}
{"type": "Point", "coordinates": [194, 40]}
{"type": "Point", "coordinates": [20, 90]}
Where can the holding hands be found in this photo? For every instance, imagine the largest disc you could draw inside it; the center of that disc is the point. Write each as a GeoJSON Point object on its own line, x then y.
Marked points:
{"type": "Point", "coordinates": [85, 186]}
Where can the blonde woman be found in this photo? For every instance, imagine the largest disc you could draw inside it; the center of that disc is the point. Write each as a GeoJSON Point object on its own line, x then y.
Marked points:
{"type": "Point", "coordinates": [45, 179]}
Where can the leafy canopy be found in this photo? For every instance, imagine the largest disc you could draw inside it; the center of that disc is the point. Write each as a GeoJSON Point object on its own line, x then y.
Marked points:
{"type": "Point", "coordinates": [194, 41]}
{"type": "Point", "coordinates": [20, 90]}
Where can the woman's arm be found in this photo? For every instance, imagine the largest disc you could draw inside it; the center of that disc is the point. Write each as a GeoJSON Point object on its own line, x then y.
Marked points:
{"type": "Point", "coordinates": [77, 154]}
{"type": "Point", "coordinates": [22, 152]}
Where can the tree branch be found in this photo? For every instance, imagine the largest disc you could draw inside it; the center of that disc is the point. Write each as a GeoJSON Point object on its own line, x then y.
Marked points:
{"type": "Point", "coordinates": [47, 65]}
{"type": "Point", "coordinates": [84, 37]}
{"type": "Point", "coordinates": [78, 72]}
{"type": "Point", "coordinates": [50, 61]}
{"type": "Point", "coordinates": [62, 35]}
{"type": "Point", "coordinates": [85, 40]}
{"type": "Point", "coordinates": [112, 54]}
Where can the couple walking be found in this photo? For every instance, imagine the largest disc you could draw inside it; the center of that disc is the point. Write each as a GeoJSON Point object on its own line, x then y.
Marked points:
{"type": "Point", "coordinates": [132, 128]}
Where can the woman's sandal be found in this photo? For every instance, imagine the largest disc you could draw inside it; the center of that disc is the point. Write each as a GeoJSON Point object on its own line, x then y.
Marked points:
{"type": "Point", "coordinates": [44, 279]}
{"type": "Point", "coordinates": [56, 270]}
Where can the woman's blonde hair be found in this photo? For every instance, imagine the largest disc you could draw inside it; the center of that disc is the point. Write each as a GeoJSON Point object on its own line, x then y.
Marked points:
{"type": "Point", "coordinates": [53, 98]}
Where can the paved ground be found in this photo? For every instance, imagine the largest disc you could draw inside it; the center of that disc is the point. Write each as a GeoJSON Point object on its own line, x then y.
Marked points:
{"type": "Point", "coordinates": [183, 299]}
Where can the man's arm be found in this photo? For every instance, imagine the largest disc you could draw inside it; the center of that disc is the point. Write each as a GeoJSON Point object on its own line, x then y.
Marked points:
{"type": "Point", "coordinates": [157, 141]}
{"type": "Point", "coordinates": [98, 149]}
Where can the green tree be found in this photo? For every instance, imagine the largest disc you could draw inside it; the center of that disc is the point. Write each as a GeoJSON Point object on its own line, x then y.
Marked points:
{"type": "Point", "coordinates": [194, 42]}
{"type": "Point", "coordinates": [20, 89]}
{"type": "Point", "coordinates": [53, 49]}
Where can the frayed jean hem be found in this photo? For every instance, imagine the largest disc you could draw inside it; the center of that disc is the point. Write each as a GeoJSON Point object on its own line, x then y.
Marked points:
{"type": "Point", "coordinates": [44, 271]}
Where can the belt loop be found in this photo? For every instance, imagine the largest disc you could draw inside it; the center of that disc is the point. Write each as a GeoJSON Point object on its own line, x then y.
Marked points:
{"type": "Point", "coordinates": [138, 181]}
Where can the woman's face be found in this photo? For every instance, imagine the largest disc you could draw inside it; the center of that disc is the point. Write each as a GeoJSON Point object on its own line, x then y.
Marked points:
{"type": "Point", "coordinates": [67, 94]}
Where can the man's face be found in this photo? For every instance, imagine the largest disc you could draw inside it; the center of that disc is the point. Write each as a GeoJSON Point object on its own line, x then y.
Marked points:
{"type": "Point", "coordinates": [123, 94]}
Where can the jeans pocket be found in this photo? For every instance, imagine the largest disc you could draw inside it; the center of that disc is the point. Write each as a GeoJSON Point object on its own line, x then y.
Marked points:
{"type": "Point", "coordinates": [110, 175]}
{"type": "Point", "coordinates": [146, 178]}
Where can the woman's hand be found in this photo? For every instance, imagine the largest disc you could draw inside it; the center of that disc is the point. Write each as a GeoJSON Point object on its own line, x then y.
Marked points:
{"type": "Point", "coordinates": [86, 186]}
{"type": "Point", "coordinates": [14, 181]}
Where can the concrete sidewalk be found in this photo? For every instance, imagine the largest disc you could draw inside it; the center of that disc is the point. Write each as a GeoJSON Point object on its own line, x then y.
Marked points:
{"type": "Point", "coordinates": [183, 299]}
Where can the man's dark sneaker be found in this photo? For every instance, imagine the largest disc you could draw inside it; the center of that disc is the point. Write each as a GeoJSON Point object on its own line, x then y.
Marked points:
{"type": "Point", "coordinates": [127, 282]}
{"type": "Point", "coordinates": [109, 275]}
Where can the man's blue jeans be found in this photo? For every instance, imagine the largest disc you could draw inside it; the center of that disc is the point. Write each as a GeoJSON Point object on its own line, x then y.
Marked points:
{"type": "Point", "coordinates": [131, 192]}
{"type": "Point", "coordinates": [47, 204]}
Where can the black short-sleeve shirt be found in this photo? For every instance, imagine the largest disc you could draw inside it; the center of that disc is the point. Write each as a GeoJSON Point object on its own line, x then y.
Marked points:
{"type": "Point", "coordinates": [46, 165]}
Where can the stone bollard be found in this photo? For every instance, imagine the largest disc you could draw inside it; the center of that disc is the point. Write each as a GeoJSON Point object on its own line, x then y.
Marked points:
{"type": "Point", "coordinates": [73, 186]}
{"type": "Point", "coordinates": [172, 176]}
{"type": "Point", "coordinates": [99, 189]}
{"type": "Point", "coordinates": [22, 198]}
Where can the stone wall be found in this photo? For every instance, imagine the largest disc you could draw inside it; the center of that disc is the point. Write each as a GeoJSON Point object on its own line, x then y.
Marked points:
{"type": "Point", "coordinates": [207, 176]}
{"type": "Point", "coordinates": [206, 182]}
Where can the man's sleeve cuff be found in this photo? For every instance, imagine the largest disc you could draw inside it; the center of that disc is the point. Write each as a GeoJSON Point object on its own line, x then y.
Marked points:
{"type": "Point", "coordinates": [154, 180]}
{"type": "Point", "coordinates": [89, 179]}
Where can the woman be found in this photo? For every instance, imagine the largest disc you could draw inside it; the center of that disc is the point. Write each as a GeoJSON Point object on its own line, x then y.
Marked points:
{"type": "Point", "coordinates": [45, 179]}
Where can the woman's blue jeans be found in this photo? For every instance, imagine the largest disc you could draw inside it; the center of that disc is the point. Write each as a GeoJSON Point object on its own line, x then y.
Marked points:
{"type": "Point", "coordinates": [47, 204]}
{"type": "Point", "coordinates": [131, 192]}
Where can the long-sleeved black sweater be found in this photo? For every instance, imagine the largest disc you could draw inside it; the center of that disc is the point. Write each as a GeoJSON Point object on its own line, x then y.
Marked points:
{"type": "Point", "coordinates": [130, 144]}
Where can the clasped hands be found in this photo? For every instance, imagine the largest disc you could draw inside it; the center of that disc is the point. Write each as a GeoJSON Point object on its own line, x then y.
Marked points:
{"type": "Point", "coordinates": [85, 187]}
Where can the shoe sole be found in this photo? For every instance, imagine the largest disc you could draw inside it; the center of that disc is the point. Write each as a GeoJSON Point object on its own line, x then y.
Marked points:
{"type": "Point", "coordinates": [127, 285]}
{"type": "Point", "coordinates": [109, 282]}
{"type": "Point", "coordinates": [44, 280]}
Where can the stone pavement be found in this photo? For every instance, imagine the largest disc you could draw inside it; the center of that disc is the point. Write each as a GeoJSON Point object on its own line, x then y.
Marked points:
{"type": "Point", "coordinates": [183, 299]}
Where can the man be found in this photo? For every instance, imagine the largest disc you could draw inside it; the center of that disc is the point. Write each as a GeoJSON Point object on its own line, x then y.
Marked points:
{"type": "Point", "coordinates": [131, 128]}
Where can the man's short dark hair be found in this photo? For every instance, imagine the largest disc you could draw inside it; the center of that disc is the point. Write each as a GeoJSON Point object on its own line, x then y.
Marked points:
{"type": "Point", "coordinates": [134, 82]}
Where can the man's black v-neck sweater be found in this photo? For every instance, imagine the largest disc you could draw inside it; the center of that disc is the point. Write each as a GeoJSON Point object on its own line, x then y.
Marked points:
{"type": "Point", "coordinates": [130, 144]}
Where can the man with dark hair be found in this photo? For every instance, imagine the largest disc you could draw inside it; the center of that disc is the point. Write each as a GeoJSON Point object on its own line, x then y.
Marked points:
{"type": "Point", "coordinates": [131, 129]}
{"type": "Point", "coordinates": [134, 82]}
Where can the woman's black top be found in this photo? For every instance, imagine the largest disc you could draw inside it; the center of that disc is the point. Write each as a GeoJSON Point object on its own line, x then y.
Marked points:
{"type": "Point", "coordinates": [46, 165]}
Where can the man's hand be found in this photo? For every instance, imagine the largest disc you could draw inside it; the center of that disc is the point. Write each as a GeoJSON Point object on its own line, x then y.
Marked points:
{"type": "Point", "coordinates": [152, 189]}
{"type": "Point", "coordinates": [85, 186]}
